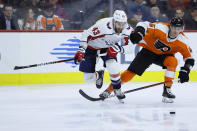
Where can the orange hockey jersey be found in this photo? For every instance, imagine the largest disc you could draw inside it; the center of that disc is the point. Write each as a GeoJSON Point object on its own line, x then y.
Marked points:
{"type": "Point", "coordinates": [53, 23]}
{"type": "Point", "coordinates": [156, 40]}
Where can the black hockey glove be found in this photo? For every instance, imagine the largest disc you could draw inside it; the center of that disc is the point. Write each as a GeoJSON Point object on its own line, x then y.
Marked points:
{"type": "Point", "coordinates": [184, 74]}
{"type": "Point", "coordinates": [137, 35]}
{"type": "Point", "coordinates": [185, 70]}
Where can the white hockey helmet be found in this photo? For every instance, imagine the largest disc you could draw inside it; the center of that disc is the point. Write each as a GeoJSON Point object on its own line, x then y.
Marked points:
{"type": "Point", "coordinates": [120, 16]}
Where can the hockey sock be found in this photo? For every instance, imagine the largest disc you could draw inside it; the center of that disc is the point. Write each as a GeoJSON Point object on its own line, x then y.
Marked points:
{"type": "Point", "coordinates": [169, 76]}
{"type": "Point", "coordinates": [171, 63]}
{"type": "Point", "coordinates": [125, 77]}
{"type": "Point", "coordinates": [116, 84]}
{"type": "Point", "coordinates": [169, 84]}
{"type": "Point", "coordinates": [115, 80]}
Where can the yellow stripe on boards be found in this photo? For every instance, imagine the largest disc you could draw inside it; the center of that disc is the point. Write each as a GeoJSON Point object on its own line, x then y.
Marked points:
{"type": "Point", "coordinates": [40, 78]}
{"type": "Point", "coordinates": [75, 77]}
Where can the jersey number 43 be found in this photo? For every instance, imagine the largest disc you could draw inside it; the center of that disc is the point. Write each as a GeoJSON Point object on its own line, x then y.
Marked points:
{"type": "Point", "coordinates": [95, 31]}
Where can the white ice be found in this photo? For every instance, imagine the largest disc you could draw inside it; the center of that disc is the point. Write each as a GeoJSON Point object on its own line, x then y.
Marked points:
{"type": "Point", "coordinates": [62, 108]}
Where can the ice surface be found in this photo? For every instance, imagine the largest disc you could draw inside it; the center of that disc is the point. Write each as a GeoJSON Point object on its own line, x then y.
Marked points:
{"type": "Point", "coordinates": [62, 108]}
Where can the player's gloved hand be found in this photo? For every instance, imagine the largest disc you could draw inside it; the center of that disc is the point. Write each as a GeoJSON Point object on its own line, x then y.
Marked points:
{"type": "Point", "coordinates": [113, 50]}
{"type": "Point", "coordinates": [79, 55]}
{"type": "Point", "coordinates": [184, 74]}
{"type": "Point", "coordinates": [137, 35]}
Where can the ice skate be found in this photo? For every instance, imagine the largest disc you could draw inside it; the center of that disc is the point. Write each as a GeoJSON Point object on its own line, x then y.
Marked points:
{"type": "Point", "coordinates": [99, 80]}
{"type": "Point", "coordinates": [105, 94]}
{"type": "Point", "coordinates": [119, 94]}
{"type": "Point", "coordinates": [168, 96]}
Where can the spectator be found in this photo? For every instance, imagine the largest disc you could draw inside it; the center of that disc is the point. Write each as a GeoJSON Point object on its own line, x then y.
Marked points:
{"type": "Point", "coordinates": [41, 4]}
{"type": "Point", "coordinates": [7, 20]}
{"type": "Point", "coordinates": [179, 13]}
{"type": "Point", "coordinates": [29, 21]}
{"type": "Point", "coordinates": [182, 4]}
{"type": "Point", "coordinates": [174, 4]}
{"type": "Point", "coordinates": [58, 10]}
{"type": "Point", "coordinates": [156, 16]}
{"type": "Point", "coordinates": [137, 17]}
{"type": "Point", "coordinates": [1, 5]}
{"type": "Point", "coordinates": [48, 21]}
{"type": "Point", "coordinates": [159, 3]}
{"type": "Point", "coordinates": [139, 5]}
{"type": "Point", "coordinates": [191, 20]}
{"type": "Point", "coordinates": [33, 4]}
{"type": "Point", "coordinates": [193, 3]}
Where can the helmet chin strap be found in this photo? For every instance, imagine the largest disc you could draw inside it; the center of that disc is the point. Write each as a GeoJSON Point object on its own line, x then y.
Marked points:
{"type": "Point", "coordinates": [114, 26]}
{"type": "Point", "coordinates": [169, 34]}
{"type": "Point", "coordinates": [113, 23]}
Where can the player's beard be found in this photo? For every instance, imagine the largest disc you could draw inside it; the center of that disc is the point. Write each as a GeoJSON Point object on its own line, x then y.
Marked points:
{"type": "Point", "coordinates": [118, 30]}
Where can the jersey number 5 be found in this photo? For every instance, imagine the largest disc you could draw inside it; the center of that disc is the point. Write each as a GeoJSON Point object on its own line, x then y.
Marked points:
{"type": "Point", "coordinates": [95, 31]}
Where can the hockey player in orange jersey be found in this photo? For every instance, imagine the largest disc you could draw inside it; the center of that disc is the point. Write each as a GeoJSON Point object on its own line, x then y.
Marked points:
{"type": "Point", "coordinates": [159, 42]}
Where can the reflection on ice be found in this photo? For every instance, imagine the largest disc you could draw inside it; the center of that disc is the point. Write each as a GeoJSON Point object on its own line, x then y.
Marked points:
{"type": "Point", "coordinates": [60, 108]}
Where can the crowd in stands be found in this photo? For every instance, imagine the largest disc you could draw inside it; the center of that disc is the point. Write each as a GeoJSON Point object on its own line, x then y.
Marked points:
{"type": "Point", "coordinates": [79, 14]}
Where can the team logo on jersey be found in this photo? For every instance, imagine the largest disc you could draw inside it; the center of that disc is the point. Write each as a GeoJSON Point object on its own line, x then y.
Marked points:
{"type": "Point", "coordinates": [161, 46]}
{"type": "Point", "coordinates": [95, 31]}
{"type": "Point", "coordinates": [108, 42]}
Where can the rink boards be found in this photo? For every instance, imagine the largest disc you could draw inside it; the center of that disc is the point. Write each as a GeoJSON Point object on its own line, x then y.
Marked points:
{"type": "Point", "coordinates": [26, 48]}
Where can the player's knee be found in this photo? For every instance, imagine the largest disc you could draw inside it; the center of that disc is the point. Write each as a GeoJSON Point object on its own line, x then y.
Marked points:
{"type": "Point", "coordinates": [112, 66]}
{"type": "Point", "coordinates": [89, 77]}
{"type": "Point", "coordinates": [170, 61]}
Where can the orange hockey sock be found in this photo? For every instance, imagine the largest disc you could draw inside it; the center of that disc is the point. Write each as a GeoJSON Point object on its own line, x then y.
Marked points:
{"type": "Point", "coordinates": [169, 84]}
{"type": "Point", "coordinates": [171, 63]}
{"type": "Point", "coordinates": [125, 77]}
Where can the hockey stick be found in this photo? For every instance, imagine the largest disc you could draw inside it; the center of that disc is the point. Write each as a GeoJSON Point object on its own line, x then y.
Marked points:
{"type": "Point", "coordinates": [52, 62]}
{"type": "Point", "coordinates": [41, 64]}
{"type": "Point", "coordinates": [125, 92]}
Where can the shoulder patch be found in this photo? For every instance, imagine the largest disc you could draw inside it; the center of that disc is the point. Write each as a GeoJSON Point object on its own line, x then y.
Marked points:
{"type": "Point", "coordinates": [162, 27]}
{"type": "Point", "coordinates": [183, 38]}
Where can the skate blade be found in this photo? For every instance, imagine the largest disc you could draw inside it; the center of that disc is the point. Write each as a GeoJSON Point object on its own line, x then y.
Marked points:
{"type": "Point", "coordinates": [121, 101]}
{"type": "Point", "coordinates": [167, 100]}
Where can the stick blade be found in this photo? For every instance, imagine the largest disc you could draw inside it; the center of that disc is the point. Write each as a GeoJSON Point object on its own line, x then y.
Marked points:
{"type": "Point", "coordinates": [89, 97]}
{"type": "Point", "coordinates": [18, 67]}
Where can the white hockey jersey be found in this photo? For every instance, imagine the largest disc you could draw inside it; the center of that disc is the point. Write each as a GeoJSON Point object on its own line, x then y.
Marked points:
{"type": "Point", "coordinates": [102, 35]}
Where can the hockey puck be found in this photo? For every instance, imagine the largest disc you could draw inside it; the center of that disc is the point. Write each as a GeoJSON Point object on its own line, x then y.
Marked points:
{"type": "Point", "coordinates": [172, 112]}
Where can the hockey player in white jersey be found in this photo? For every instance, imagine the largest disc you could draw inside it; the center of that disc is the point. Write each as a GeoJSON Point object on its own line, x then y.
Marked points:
{"type": "Point", "coordinates": [109, 35]}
